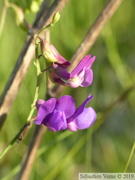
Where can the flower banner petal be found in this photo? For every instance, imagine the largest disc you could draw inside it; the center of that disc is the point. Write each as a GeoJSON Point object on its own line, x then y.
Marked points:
{"type": "Point", "coordinates": [66, 103]}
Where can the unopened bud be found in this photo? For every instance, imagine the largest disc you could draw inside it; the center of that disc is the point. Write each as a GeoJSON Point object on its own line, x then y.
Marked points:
{"type": "Point", "coordinates": [56, 17]}
{"type": "Point", "coordinates": [34, 6]}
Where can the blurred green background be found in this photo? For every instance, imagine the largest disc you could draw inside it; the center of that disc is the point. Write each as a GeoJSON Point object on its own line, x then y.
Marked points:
{"type": "Point", "coordinates": [105, 147]}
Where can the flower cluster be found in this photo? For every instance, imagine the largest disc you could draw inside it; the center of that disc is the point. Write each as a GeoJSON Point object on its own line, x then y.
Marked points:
{"type": "Point", "coordinates": [82, 75]}
{"type": "Point", "coordinates": [59, 115]}
{"type": "Point", "coordinates": [62, 114]}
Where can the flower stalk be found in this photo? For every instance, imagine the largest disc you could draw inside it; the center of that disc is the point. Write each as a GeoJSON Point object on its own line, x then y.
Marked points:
{"type": "Point", "coordinates": [55, 19]}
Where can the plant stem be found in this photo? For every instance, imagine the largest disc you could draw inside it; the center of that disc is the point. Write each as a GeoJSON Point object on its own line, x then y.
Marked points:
{"type": "Point", "coordinates": [129, 159]}
{"type": "Point", "coordinates": [36, 90]}
{"type": "Point", "coordinates": [3, 17]}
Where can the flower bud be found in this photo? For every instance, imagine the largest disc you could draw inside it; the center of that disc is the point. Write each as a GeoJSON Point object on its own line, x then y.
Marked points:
{"type": "Point", "coordinates": [48, 52]}
{"type": "Point", "coordinates": [35, 5]}
{"type": "Point", "coordinates": [56, 17]}
{"type": "Point", "coordinates": [51, 55]}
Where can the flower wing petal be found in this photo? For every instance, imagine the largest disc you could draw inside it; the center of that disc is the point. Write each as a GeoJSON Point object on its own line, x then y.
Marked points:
{"type": "Point", "coordinates": [80, 109]}
{"type": "Point", "coordinates": [57, 121]}
{"type": "Point", "coordinates": [86, 118]}
{"type": "Point", "coordinates": [55, 78]}
{"type": "Point", "coordinates": [76, 81]}
{"type": "Point", "coordinates": [44, 109]}
{"type": "Point", "coordinates": [83, 120]}
{"type": "Point", "coordinates": [88, 78]}
{"type": "Point", "coordinates": [39, 102]}
{"type": "Point", "coordinates": [61, 71]}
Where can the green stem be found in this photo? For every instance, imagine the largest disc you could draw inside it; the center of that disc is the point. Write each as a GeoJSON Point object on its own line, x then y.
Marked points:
{"type": "Point", "coordinates": [36, 91]}
{"type": "Point", "coordinates": [55, 19]}
{"type": "Point", "coordinates": [7, 148]}
{"type": "Point", "coordinates": [44, 28]}
{"type": "Point", "coordinates": [129, 159]}
{"type": "Point", "coordinates": [3, 17]}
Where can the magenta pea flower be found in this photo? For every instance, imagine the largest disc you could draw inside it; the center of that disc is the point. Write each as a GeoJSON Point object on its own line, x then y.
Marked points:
{"type": "Point", "coordinates": [62, 114]}
{"type": "Point", "coordinates": [51, 55]}
{"type": "Point", "coordinates": [82, 75]}
{"type": "Point", "coordinates": [58, 74]}
{"type": "Point", "coordinates": [82, 118]}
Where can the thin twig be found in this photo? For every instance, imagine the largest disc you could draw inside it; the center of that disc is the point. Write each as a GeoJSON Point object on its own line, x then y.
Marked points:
{"type": "Point", "coordinates": [13, 85]}
{"type": "Point", "coordinates": [90, 38]}
{"type": "Point", "coordinates": [2, 18]}
{"type": "Point", "coordinates": [129, 158]}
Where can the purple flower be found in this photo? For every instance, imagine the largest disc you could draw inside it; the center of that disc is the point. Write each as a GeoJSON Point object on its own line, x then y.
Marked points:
{"type": "Point", "coordinates": [82, 75]}
{"type": "Point", "coordinates": [82, 117]}
{"type": "Point", "coordinates": [50, 53]}
{"type": "Point", "coordinates": [62, 114]}
{"type": "Point", "coordinates": [58, 74]}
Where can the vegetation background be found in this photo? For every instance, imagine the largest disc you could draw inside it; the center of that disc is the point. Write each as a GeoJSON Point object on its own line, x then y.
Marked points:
{"type": "Point", "coordinates": [106, 146]}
